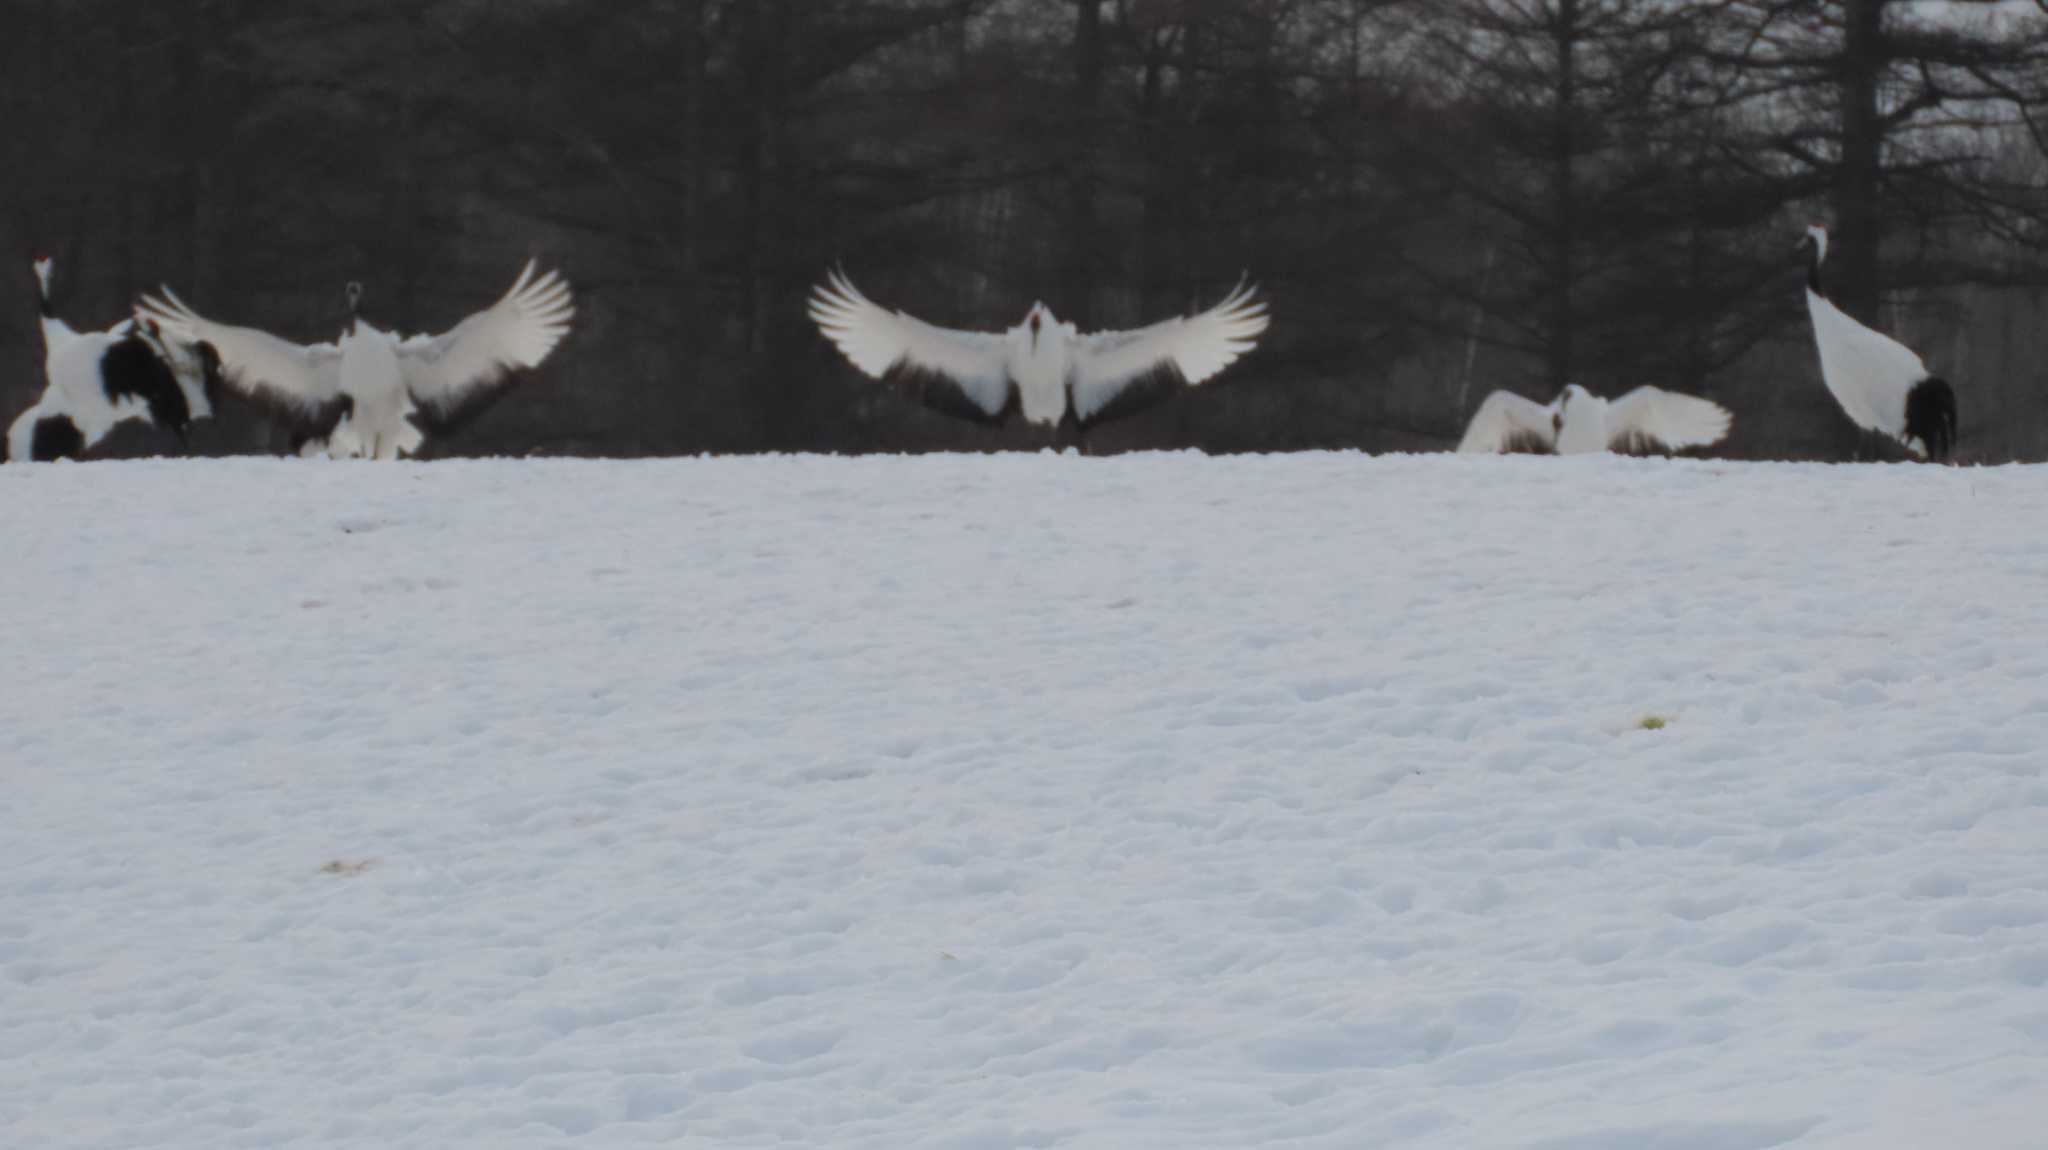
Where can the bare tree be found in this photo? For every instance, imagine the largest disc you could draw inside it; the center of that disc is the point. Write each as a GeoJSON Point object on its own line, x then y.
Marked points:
{"type": "Point", "coordinates": [1891, 110]}
{"type": "Point", "coordinates": [1548, 140]}
{"type": "Point", "coordinates": [1440, 196]}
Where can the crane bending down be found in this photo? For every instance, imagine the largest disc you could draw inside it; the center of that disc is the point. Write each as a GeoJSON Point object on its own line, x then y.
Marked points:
{"type": "Point", "coordinates": [1882, 385]}
{"type": "Point", "coordinates": [1578, 422]}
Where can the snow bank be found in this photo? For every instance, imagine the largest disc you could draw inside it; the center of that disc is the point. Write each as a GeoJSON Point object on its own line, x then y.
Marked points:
{"type": "Point", "coordinates": [980, 802]}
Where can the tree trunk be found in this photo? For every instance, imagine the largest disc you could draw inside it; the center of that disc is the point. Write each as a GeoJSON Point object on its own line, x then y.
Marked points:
{"type": "Point", "coordinates": [1858, 233]}
{"type": "Point", "coordinates": [1077, 278]}
{"type": "Point", "coordinates": [1558, 350]}
{"type": "Point", "coordinates": [128, 185]}
{"type": "Point", "coordinates": [963, 39]}
{"type": "Point", "coordinates": [401, 199]}
{"type": "Point", "coordinates": [692, 47]}
{"type": "Point", "coordinates": [1851, 275]}
{"type": "Point", "coordinates": [212, 107]}
{"type": "Point", "coordinates": [766, 45]}
{"type": "Point", "coordinates": [1160, 162]}
{"type": "Point", "coordinates": [1188, 172]}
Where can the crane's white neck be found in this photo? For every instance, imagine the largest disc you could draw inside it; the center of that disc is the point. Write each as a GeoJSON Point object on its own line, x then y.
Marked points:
{"type": "Point", "coordinates": [1040, 325]}
{"type": "Point", "coordinates": [1038, 365]}
{"type": "Point", "coordinates": [1817, 254]}
{"type": "Point", "coordinates": [1819, 236]}
{"type": "Point", "coordinates": [43, 267]}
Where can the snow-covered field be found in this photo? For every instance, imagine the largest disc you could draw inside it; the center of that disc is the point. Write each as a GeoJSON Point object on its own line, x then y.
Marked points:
{"type": "Point", "coordinates": [981, 802]}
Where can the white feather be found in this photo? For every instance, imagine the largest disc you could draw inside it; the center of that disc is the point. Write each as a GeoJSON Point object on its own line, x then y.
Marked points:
{"type": "Point", "coordinates": [1197, 347]}
{"type": "Point", "coordinates": [21, 433]}
{"type": "Point", "coordinates": [75, 380]}
{"type": "Point", "coordinates": [1869, 373]}
{"type": "Point", "coordinates": [76, 392]}
{"type": "Point", "coordinates": [1578, 422]}
{"type": "Point", "coordinates": [1047, 366]}
{"type": "Point", "coordinates": [877, 341]}
{"type": "Point", "coordinates": [301, 377]}
{"type": "Point", "coordinates": [1504, 417]}
{"type": "Point", "coordinates": [516, 333]}
{"type": "Point", "coordinates": [385, 379]}
{"type": "Point", "coordinates": [1672, 419]}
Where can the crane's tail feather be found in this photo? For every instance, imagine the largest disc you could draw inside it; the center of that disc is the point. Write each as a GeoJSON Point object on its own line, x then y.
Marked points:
{"type": "Point", "coordinates": [1931, 417]}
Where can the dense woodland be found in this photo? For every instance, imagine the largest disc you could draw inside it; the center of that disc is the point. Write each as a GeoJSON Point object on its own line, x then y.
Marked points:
{"type": "Point", "coordinates": [1441, 197]}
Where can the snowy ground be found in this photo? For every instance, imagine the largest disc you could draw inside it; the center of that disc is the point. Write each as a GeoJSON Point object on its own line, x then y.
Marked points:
{"type": "Point", "coordinates": [1033, 801]}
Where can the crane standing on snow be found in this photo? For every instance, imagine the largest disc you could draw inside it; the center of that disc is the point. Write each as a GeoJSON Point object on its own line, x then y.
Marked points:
{"type": "Point", "coordinates": [1880, 383]}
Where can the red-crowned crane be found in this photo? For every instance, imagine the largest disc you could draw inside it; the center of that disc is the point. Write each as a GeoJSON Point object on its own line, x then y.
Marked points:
{"type": "Point", "coordinates": [1578, 422]}
{"type": "Point", "coordinates": [372, 389]}
{"type": "Point", "coordinates": [1043, 371]}
{"type": "Point", "coordinates": [1880, 383]}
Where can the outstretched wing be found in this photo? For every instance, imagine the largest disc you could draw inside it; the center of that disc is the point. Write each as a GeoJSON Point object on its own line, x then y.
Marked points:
{"type": "Point", "coordinates": [516, 333]}
{"type": "Point", "coordinates": [302, 379]}
{"type": "Point", "coordinates": [1672, 419]}
{"type": "Point", "coordinates": [881, 342]}
{"type": "Point", "coordinates": [1189, 349]}
{"type": "Point", "coordinates": [1506, 422]}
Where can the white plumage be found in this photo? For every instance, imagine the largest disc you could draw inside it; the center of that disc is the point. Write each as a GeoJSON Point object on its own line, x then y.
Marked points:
{"type": "Point", "coordinates": [1880, 383]}
{"type": "Point", "coordinates": [95, 381]}
{"type": "Point", "coordinates": [378, 382]}
{"type": "Point", "coordinates": [1043, 369]}
{"type": "Point", "coordinates": [1578, 422]}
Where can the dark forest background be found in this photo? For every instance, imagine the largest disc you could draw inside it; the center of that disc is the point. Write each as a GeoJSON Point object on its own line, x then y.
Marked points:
{"type": "Point", "coordinates": [1441, 197]}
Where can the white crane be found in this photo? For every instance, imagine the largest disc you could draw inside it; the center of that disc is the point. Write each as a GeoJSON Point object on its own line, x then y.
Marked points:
{"type": "Point", "coordinates": [374, 386]}
{"type": "Point", "coordinates": [1880, 383]}
{"type": "Point", "coordinates": [1044, 371]}
{"type": "Point", "coordinates": [1578, 422]}
{"type": "Point", "coordinates": [95, 381]}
